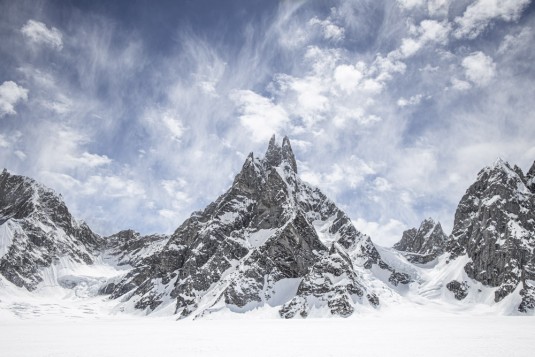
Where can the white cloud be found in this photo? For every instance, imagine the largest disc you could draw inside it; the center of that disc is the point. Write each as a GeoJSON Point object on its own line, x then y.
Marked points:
{"type": "Point", "coordinates": [113, 187]}
{"type": "Point", "coordinates": [91, 160]}
{"type": "Point", "coordinates": [38, 32]}
{"type": "Point", "coordinates": [174, 125]}
{"type": "Point", "coordinates": [383, 233]}
{"type": "Point", "coordinates": [62, 148]}
{"type": "Point", "coordinates": [20, 154]}
{"type": "Point", "coordinates": [330, 30]}
{"type": "Point", "coordinates": [259, 115]}
{"type": "Point", "coordinates": [479, 68]}
{"type": "Point", "coordinates": [348, 76]}
{"type": "Point", "coordinates": [434, 7]}
{"type": "Point", "coordinates": [409, 47]}
{"type": "Point", "coordinates": [517, 41]}
{"type": "Point", "coordinates": [208, 87]}
{"type": "Point", "coordinates": [349, 173]}
{"type": "Point", "coordinates": [382, 184]}
{"type": "Point", "coordinates": [410, 4]}
{"type": "Point", "coordinates": [434, 31]}
{"type": "Point", "coordinates": [479, 14]}
{"type": "Point", "coordinates": [438, 7]}
{"type": "Point", "coordinates": [413, 100]}
{"type": "Point", "coordinates": [60, 105]}
{"type": "Point", "coordinates": [428, 32]}
{"type": "Point", "coordinates": [460, 85]}
{"type": "Point", "coordinates": [177, 191]}
{"type": "Point", "coordinates": [4, 143]}
{"type": "Point", "coordinates": [10, 94]}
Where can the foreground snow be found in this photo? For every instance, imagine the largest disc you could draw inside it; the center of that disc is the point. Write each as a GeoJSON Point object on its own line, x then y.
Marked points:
{"type": "Point", "coordinates": [59, 321]}
{"type": "Point", "coordinates": [411, 333]}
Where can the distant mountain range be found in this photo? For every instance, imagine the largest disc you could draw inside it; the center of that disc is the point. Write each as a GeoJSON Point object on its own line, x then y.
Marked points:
{"type": "Point", "coordinates": [274, 242]}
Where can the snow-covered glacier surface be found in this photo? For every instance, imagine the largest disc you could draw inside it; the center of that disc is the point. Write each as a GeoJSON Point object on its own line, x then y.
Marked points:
{"type": "Point", "coordinates": [413, 332]}
{"type": "Point", "coordinates": [73, 320]}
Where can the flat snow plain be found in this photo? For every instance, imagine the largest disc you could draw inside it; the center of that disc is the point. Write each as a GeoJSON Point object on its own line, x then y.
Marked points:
{"type": "Point", "coordinates": [406, 333]}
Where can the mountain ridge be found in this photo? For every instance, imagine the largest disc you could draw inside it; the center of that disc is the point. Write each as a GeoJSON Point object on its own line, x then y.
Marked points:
{"type": "Point", "coordinates": [272, 241]}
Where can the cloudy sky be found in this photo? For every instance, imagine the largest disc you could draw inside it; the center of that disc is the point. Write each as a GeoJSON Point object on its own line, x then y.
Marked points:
{"type": "Point", "coordinates": [140, 112]}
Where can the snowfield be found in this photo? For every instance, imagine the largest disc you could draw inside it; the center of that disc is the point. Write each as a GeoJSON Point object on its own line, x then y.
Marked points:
{"type": "Point", "coordinates": [70, 319]}
{"type": "Point", "coordinates": [411, 333]}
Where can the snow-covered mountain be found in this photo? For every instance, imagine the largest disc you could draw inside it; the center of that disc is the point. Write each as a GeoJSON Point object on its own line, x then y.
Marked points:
{"type": "Point", "coordinates": [37, 230]}
{"type": "Point", "coordinates": [424, 244]}
{"type": "Point", "coordinates": [274, 243]}
{"type": "Point", "coordinates": [271, 239]}
{"type": "Point", "coordinates": [494, 231]}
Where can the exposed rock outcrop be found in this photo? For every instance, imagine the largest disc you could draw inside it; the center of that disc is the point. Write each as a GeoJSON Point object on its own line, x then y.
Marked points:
{"type": "Point", "coordinates": [424, 244]}
{"type": "Point", "coordinates": [37, 230]}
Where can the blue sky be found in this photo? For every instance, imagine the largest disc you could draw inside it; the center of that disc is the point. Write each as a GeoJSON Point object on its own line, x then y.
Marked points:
{"type": "Point", "coordinates": [141, 112]}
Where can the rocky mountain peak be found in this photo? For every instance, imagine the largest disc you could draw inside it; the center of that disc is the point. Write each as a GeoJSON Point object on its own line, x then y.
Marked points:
{"type": "Point", "coordinates": [423, 244]}
{"type": "Point", "coordinates": [280, 154]}
{"type": "Point", "coordinates": [530, 178]}
{"type": "Point", "coordinates": [270, 229]}
{"type": "Point", "coordinates": [492, 227]}
{"type": "Point", "coordinates": [38, 230]}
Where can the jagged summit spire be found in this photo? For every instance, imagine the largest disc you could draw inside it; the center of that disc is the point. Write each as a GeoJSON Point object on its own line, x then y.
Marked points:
{"type": "Point", "coordinates": [287, 153]}
{"type": "Point", "coordinates": [530, 178]}
{"type": "Point", "coordinates": [275, 154]}
{"type": "Point", "coordinates": [531, 171]}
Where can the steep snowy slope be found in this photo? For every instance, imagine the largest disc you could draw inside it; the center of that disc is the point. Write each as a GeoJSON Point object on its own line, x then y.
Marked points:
{"type": "Point", "coordinates": [489, 257]}
{"type": "Point", "coordinates": [271, 239]}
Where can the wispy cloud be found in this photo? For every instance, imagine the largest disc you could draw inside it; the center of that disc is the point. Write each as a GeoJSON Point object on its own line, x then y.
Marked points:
{"type": "Point", "coordinates": [38, 33]}
{"type": "Point", "coordinates": [479, 14]}
{"type": "Point", "coordinates": [392, 107]}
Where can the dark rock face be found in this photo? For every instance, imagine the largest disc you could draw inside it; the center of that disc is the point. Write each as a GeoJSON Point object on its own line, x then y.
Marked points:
{"type": "Point", "coordinates": [331, 281]}
{"type": "Point", "coordinates": [268, 227]}
{"type": "Point", "coordinates": [40, 229]}
{"type": "Point", "coordinates": [130, 247]}
{"type": "Point", "coordinates": [424, 244]}
{"type": "Point", "coordinates": [459, 290]}
{"type": "Point", "coordinates": [494, 226]}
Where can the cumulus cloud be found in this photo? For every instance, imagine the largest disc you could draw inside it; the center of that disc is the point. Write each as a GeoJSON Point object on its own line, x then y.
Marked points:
{"type": "Point", "coordinates": [329, 29]}
{"type": "Point", "coordinates": [10, 94]}
{"type": "Point", "coordinates": [259, 115]}
{"type": "Point", "coordinates": [479, 68]}
{"type": "Point", "coordinates": [113, 109]}
{"type": "Point", "coordinates": [38, 33]}
{"type": "Point", "coordinates": [348, 76]}
{"type": "Point", "coordinates": [427, 32]}
{"type": "Point", "coordinates": [478, 15]}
